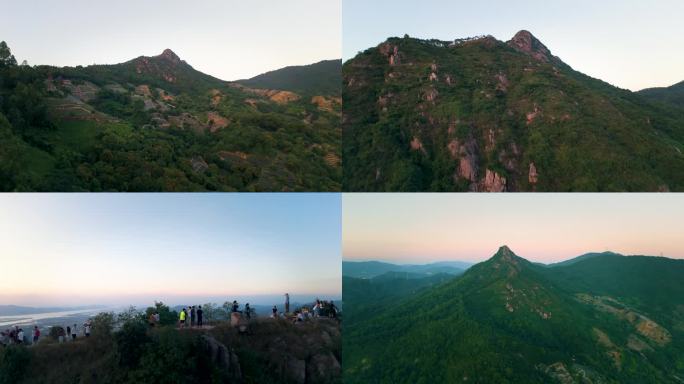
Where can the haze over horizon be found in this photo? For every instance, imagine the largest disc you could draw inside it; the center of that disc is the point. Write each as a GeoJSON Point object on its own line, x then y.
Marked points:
{"type": "Point", "coordinates": [121, 249]}
{"type": "Point", "coordinates": [230, 40]}
{"type": "Point", "coordinates": [606, 40]}
{"type": "Point", "coordinates": [422, 228]}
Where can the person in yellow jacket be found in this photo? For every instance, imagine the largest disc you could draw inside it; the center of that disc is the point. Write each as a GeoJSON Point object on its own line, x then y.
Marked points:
{"type": "Point", "coordinates": [182, 318]}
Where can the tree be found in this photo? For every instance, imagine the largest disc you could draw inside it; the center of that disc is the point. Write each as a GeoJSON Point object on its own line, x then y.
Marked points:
{"type": "Point", "coordinates": [166, 315]}
{"type": "Point", "coordinates": [6, 57]}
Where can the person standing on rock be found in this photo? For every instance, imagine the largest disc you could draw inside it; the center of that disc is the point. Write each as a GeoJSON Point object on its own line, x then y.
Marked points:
{"type": "Point", "coordinates": [192, 316]}
{"type": "Point", "coordinates": [199, 316]}
{"type": "Point", "coordinates": [36, 334]}
{"type": "Point", "coordinates": [287, 303]}
{"type": "Point", "coordinates": [274, 312]}
{"type": "Point", "coordinates": [182, 318]}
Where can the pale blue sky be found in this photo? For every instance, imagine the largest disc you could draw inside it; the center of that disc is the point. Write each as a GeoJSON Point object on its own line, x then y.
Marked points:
{"type": "Point", "coordinates": [424, 227]}
{"type": "Point", "coordinates": [71, 249]}
{"type": "Point", "coordinates": [632, 44]}
{"type": "Point", "coordinates": [229, 39]}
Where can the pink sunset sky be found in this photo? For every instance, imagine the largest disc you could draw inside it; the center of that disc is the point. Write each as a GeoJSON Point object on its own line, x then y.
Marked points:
{"type": "Point", "coordinates": [422, 228]}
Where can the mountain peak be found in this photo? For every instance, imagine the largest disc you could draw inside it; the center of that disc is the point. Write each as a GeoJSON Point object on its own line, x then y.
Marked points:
{"type": "Point", "coordinates": [525, 41]}
{"type": "Point", "coordinates": [170, 56]}
{"type": "Point", "coordinates": [505, 260]}
{"type": "Point", "coordinates": [505, 253]}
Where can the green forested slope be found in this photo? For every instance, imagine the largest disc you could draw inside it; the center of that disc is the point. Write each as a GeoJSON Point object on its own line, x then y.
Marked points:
{"type": "Point", "coordinates": [156, 124]}
{"type": "Point", "coordinates": [484, 115]}
{"type": "Point", "coordinates": [509, 321]}
{"type": "Point", "coordinates": [322, 78]}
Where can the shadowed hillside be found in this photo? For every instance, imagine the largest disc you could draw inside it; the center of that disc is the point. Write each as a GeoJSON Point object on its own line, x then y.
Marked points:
{"type": "Point", "coordinates": [127, 350]}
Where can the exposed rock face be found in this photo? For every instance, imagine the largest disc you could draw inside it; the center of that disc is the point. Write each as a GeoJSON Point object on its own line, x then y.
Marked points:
{"type": "Point", "coordinates": [186, 121]}
{"type": "Point", "coordinates": [532, 176]}
{"type": "Point", "coordinates": [431, 94]}
{"type": "Point", "coordinates": [143, 90]}
{"type": "Point", "coordinates": [391, 52]}
{"type": "Point", "coordinates": [524, 41]}
{"type": "Point", "coordinates": [321, 367]}
{"type": "Point", "coordinates": [198, 164]}
{"type": "Point", "coordinates": [84, 92]}
{"type": "Point", "coordinates": [467, 159]}
{"type": "Point", "coordinates": [493, 182]}
{"type": "Point", "coordinates": [223, 357]}
{"type": "Point", "coordinates": [416, 144]}
{"type": "Point", "coordinates": [170, 56]}
{"type": "Point", "coordinates": [215, 121]}
{"type": "Point", "coordinates": [502, 82]}
{"type": "Point", "coordinates": [533, 115]}
{"type": "Point", "coordinates": [216, 97]}
{"type": "Point", "coordinates": [278, 96]}
{"type": "Point", "coordinates": [326, 103]}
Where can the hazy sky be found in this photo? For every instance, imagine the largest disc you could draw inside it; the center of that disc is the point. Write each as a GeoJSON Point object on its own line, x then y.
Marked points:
{"type": "Point", "coordinates": [66, 249]}
{"type": "Point", "coordinates": [632, 44]}
{"type": "Point", "coordinates": [229, 39]}
{"type": "Point", "coordinates": [539, 227]}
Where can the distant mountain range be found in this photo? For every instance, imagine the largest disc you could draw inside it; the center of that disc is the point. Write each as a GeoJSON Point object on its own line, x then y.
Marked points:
{"type": "Point", "coordinates": [155, 123]}
{"type": "Point", "coordinates": [673, 95]}
{"type": "Point", "coordinates": [479, 114]}
{"type": "Point", "coordinates": [16, 310]}
{"type": "Point", "coordinates": [322, 78]}
{"type": "Point", "coordinates": [599, 318]}
{"type": "Point", "coordinates": [370, 269]}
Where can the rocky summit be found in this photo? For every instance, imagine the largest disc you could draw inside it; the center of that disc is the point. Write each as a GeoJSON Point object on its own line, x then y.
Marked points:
{"type": "Point", "coordinates": [479, 114]}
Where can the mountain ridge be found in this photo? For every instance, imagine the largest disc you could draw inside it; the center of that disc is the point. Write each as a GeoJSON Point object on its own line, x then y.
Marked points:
{"type": "Point", "coordinates": [154, 123]}
{"type": "Point", "coordinates": [508, 320]}
{"type": "Point", "coordinates": [486, 115]}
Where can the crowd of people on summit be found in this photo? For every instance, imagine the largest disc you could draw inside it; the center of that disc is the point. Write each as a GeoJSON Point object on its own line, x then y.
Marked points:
{"type": "Point", "coordinates": [17, 336]}
{"type": "Point", "coordinates": [189, 317]}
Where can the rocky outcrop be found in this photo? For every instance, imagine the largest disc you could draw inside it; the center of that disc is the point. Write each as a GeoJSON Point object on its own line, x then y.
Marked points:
{"type": "Point", "coordinates": [215, 121]}
{"type": "Point", "coordinates": [531, 116]}
{"type": "Point", "coordinates": [391, 52]}
{"type": "Point", "coordinates": [326, 104]}
{"type": "Point", "coordinates": [223, 357]}
{"type": "Point", "coordinates": [466, 153]}
{"type": "Point", "coordinates": [430, 95]}
{"type": "Point", "coordinates": [416, 144]}
{"type": "Point", "coordinates": [321, 367]}
{"type": "Point", "coordinates": [525, 42]}
{"type": "Point", "coordinates": [532, 176]}
{"type": "Point", "coordinates": [493, 182]}
{"type": "Point", "coordinates": [170, 56]}
{"type": "Point", "coordinates": [198, 164]}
